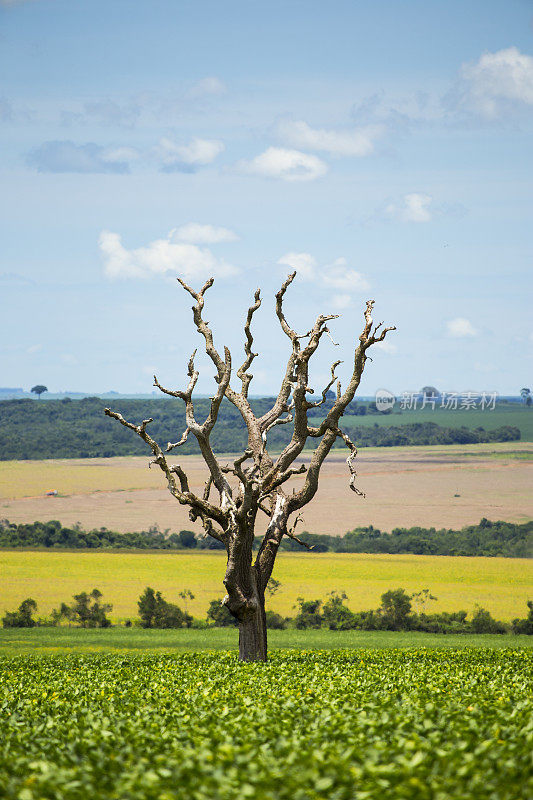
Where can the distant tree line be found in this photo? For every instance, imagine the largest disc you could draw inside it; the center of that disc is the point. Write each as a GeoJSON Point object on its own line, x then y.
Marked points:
{"type": "Point", "coordinates": [79, 429]}
{"type": "Point", "coordinates": [395, 613]}
{"type": "Point", "coordinates": [508, 539]}
{"type": "Point", "coordinates": [53, 534]}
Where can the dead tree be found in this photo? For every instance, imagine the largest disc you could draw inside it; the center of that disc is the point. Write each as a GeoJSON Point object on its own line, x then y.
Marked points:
{"type": "Point", "coordinates": [254, 484]}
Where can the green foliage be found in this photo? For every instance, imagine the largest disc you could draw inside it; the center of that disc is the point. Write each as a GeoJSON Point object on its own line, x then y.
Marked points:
{"type": "Point", "coordinates": [396, 608]}
{"type": "Point", "coordinates": [156, 612]}
{"type": "Point", "coordinates": [53, 535]}
{"type": "Point", "coordinates": [395, 614]}
{"type": "Point", "coordinates": [483, 622]}
{"type": "Point", "coordinates": [187, 539]}
{"type": "Point", "coordinates": [336, 615]}
{"type": "Point", "coordinates": [509, 539]}
{"type": "Point", "coordinates": [86, 611]}
{"type": "Point", "coordinates": [413, 724]}
{"type": "Point", "coordinates": [219, 615]}
{"type": "Point", "coordinates": [524, 625]}
{"type": "Point", "coordinates": [58, 429]}
{"type": "Point", "coordinates": [23, 617]}
{"type": "Point", "coordinates": [309, 615]}
{"type": "Point", "coordinates": [275, 621]}
{"type": "Point", "coordinates": [39, 389]}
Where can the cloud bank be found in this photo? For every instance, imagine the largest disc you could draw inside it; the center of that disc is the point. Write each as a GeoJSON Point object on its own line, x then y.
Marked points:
{"type": "Point", "coordinates": [358, 142]}
{"type": "Point", "coordinates": [167, 257]}
{"type": "Point", "coordinates": [336, 275]}
{"type": "Point", "coordinates": [288, 165]}
{"type": "Point", "coordinates": [460, 328]}
{"type": "Point", "coordinates": [495, 84]}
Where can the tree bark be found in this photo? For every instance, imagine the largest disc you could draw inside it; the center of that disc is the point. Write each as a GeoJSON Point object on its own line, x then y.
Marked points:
{"type": "Point", "coordinates": [253, 633]}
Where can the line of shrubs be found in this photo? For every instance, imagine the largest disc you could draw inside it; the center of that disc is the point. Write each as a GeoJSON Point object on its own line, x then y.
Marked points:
{"type": "Point", "coordinates": [508, 539]}
{"type": "Point", "coordinates": [394, 614]}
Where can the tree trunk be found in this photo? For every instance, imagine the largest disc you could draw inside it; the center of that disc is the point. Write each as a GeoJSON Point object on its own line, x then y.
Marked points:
{"type": "Point", "coordinates": [253, 634]}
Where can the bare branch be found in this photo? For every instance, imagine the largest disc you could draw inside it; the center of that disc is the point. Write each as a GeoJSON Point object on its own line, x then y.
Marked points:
{"type": "Point", "coordinates": [183, 493]}
{"type": "Point", "coordinates": [207, 487]}
{"type": "Point", "coordinates": [279, 309]}
{"type": "Point", "coordinates": [328, 387]}
{"type": "Point", "coordinates": [351, 458]}
{"type": "Point", "coordinates": [187, 394]}
{"type": "Point", "coordinates": [241, 372]}
{"type": "Point", "coordinates": [269, 486]}
{"type": "Point", "coordinates": [290, 533]}
{"type": "Point", "coordinates": [172, 445]}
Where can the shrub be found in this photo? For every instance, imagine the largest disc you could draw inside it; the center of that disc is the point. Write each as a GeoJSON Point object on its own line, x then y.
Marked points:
{"type": "Point", "coordinates": [309, 615]}
{"type": "Point", "coordinates": [219, 615]}
{"type": "Point", "coordinates": [156, 612]}
{"type": "Point", "coordinates": [396, 607]}
{"type": "Point", "coordinates": [84, 612]}
{"type": "Point", "coordinates": [275, 621]}
{"type": "Point", "coordinates": [23, 617]}
{"type": "Point", "coordinates": [483, 622]}
{"type": "Point", "coordinates": [338, 616]}
{"type": "Point", "coordinates": [524, 625]}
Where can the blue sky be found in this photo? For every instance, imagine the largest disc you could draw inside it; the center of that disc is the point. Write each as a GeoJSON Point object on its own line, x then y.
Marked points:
{"type": "Point", "coordinates": [382, 149]}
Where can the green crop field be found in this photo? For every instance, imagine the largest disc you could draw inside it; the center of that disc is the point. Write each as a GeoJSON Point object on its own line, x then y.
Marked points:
{"type": "Point", "coordinates": [502, 585]}
{"type": "Point", "coordinates": [515, 415]}
{"type": "Point", "coordinates": [419, 724]}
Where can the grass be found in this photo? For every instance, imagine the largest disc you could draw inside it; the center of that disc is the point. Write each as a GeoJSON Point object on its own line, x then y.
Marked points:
{"type": "Point", "coordinates": [46, 641]}
{"type": "Point", "coordinates": [502, 585]}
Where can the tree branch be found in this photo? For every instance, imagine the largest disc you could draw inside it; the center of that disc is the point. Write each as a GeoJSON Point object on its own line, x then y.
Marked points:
{"type": "Point", "coordinates": [241, 372]}
{"type": "Point", "coordinates": [183, 493]}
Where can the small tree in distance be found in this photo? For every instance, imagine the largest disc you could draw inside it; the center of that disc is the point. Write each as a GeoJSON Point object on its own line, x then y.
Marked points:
{"type": "Point", "coordinates": [39, 389]}
{"type": "Point", "coordinates": [244, 492]}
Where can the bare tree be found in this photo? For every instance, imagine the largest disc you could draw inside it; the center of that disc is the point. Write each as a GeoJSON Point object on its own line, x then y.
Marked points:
{"type": "Point", "coordinates": [244, 492]}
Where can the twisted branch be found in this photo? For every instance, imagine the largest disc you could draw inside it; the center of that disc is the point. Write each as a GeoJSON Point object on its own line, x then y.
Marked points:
{"type": "Point", "coordinates": [241, 372]}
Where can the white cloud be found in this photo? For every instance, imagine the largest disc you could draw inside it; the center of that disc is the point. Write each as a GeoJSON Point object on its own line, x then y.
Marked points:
{"type": "Point", "coordinates": [187, 158]}
{"type": "Point", "coordinates": [357, 142]}
{"type": "Point", "coordinates": [160, 257]}
{"type": "Point", "coordinates": [341, 301]}
{"type": "Point", "coordinates": [207, 86]}
{"type": "Point", "coordinates": [195, 233]}
{"type": "Point", "coordinates": [414, 207]}
{"type": "Point", "coordinates": [34, 348]}
{"type": "Point", "coordinates": [289, 165]}
{"type": "Point", "coordinates": [495, 83]}
{"type": "Point", "coordinates": [114, 154]}
{"type": "Point", "coordinates": [386, 347]}
{"type": "Point", "coordinates": [304, 264]}
{"type": "Point", "coordinates": [331, 276]}
{"type": "Point", "coordinates": [338, 276]}
{"type": "Point", "coordinates": [460, 328]}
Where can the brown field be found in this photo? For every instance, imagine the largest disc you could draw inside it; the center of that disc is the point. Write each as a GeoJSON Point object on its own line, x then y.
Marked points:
{"type": "Point", "coordinates": [441, 486]}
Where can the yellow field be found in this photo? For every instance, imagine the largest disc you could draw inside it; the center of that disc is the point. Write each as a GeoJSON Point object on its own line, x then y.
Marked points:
{"type": "Point", "coordinates": [500, 584]}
